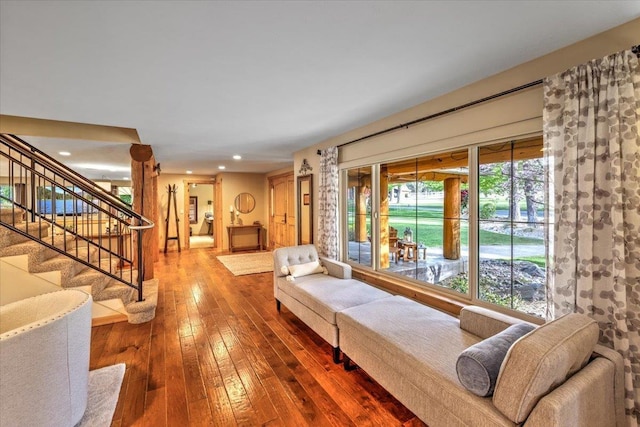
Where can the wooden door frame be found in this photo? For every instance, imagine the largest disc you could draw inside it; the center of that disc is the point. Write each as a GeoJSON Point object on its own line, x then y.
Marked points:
{"type": "Point", "coordinates": [216, 209]}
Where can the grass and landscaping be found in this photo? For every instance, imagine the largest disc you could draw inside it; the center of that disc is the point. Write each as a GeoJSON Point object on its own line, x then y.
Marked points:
{"type": "Point", "coordinates": [426, 221]}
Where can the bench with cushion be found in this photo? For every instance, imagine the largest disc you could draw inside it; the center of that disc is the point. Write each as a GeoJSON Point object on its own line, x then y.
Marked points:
{"type": "Point", "coordinates": [315, 297]}
{"type": "Point", "coordinates": [555, 375]}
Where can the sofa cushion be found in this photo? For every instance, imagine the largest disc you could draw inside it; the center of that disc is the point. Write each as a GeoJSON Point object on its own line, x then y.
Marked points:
{"type": "Point", "coordinates": [478, 366]}
{"type": "Point", "coordinates": [541, 361]}
{"type": "Point", "coordinates": [483, 322]}
{"type": "Point", "coordinates": [326, 295]}
{"type": "Point", "coordinates": [299, 270]}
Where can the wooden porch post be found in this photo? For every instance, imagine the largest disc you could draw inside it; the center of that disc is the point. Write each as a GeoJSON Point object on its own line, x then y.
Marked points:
{"type": "Point", "coordinates": [451, 230]}
{"type": "Point", "coordinates": [361, 212]}
{"type": "Point", "coordinates": [145, 198]}
{"type": "Point", "coordinates": [384, 217]}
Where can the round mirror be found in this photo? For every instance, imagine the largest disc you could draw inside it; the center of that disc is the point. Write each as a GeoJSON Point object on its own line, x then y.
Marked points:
{"type": "Point", "coordinates": [245, 203]}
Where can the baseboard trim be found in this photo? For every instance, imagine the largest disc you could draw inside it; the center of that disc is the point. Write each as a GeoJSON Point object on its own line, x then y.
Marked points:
{"type": "Point", "coordinates": [108, 320]}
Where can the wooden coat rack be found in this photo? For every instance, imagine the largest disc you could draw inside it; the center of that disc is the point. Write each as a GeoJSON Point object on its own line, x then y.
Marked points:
{"type": "Point", "coordinates": [172, 190]}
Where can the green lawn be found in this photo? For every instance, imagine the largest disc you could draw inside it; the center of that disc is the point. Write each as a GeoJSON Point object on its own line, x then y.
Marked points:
{"type": "Point", "coordinates": [428, 227]}
{"type": "Point", "coordinates": [429, 232]}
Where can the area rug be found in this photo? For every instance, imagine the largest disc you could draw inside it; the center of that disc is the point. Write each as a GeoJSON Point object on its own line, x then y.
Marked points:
{"type": "Point", "coordinates": [104, 388]}
{"type": "Point", "coordinates": [241, 264]}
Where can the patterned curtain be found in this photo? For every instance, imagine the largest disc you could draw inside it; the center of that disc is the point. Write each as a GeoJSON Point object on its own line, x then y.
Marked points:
{"type": "Point", "coordinates": [591, 118]}
{"type": "Point", "coordinates": [328, 204]}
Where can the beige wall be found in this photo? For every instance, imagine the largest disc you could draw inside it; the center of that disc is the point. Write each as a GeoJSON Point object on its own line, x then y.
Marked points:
{"type": "Point", "coordinates": [619, 38]}
{"type": "Point", "coordinates": [233, 184]}
{"type": "Point", "coordinates": [514, 116]}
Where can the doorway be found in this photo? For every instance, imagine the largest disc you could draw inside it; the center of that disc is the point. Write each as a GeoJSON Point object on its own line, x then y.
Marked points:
{"type": "Point", "coordinates": [199, 214]}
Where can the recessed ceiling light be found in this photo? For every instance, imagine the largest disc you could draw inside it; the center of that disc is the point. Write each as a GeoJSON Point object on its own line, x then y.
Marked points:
{"type": "Point", "coordinates": [189, 172]}
{"type": "Point", "coordinates": [237, 157]}
{"type": "Point", "coordinates": [64, 153]}
{"type": "Point", "coordinates": [222, 167]}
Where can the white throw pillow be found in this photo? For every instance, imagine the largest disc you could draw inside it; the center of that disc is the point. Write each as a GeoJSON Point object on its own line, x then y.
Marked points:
{"type": "Point", "coordinates": [305, 269]}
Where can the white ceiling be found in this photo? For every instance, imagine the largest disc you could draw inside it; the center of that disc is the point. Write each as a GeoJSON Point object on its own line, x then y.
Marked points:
{"type": "Point", "coordinates": [201, 80]}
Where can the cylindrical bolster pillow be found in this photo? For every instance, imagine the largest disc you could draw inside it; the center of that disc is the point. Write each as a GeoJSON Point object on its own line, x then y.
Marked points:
{"type": "Point", "coordinates": [479, 365]}
{"type": "Point", "coordinates": [299, 270]}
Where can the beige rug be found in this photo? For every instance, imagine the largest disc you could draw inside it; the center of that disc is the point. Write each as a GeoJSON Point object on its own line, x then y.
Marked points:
{"type": "Point", "coordinates": [104, 388]}
{"type": "Point", "coordinates": [252, 263]}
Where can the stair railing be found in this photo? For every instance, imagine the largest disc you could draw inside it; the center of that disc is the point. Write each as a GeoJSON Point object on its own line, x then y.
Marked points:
{"type": "Point", "coordinates": [74, 208]}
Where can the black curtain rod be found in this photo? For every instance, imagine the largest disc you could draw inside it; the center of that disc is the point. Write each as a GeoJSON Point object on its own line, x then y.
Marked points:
{"type": "Point", "coordinates": [442, 113]}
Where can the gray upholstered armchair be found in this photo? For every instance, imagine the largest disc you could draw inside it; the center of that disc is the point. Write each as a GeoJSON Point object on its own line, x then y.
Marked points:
{"type": "Point", "coordinates": [44, 359]}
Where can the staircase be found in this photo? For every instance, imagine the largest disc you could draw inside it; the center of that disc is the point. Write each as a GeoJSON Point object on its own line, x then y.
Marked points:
{"type": "Point", "coordinates": [91, 245]}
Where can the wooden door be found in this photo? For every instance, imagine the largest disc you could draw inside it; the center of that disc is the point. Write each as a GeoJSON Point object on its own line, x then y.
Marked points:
{"type": "Point", "coordinates": [282, 222]}
{"type": "Point", "coordinates": [292, 222]}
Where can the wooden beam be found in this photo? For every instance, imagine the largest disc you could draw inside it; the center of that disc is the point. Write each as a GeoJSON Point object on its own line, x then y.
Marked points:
{"type": "Point", "coordinates": [427, 176]}
{"type": "Point", "coordinates": [18, 125]}
{"type": "Point", "coordinates": [435, 162]}
{"type": "Point", "coordinates": [524, 150]}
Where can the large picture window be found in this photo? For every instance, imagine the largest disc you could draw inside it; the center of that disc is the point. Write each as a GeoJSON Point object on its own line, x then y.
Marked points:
{"type": "Point", "coordinates": [423, 228]}
{"type": "Point", "coordinates": [429, 206]}
{"type": "Point", "coordinates": [511, 206]}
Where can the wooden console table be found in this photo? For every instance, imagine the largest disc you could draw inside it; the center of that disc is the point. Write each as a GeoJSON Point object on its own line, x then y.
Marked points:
{"type": "Point", "coordinates": [240, 229]}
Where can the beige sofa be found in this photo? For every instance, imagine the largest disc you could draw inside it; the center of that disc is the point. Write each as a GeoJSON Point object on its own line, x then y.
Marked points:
{"type": "Point", "coordinates": [555, 375]}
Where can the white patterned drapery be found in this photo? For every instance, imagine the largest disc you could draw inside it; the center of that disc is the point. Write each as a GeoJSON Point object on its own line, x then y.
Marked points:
{"type": "Point", "coordinates": [328, 203]}
{"type": "Point", "coordinates": [591, 118]}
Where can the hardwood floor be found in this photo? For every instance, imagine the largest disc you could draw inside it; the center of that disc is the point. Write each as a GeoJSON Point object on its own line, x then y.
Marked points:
{"type": "Point", "coordinates": [218, 353]}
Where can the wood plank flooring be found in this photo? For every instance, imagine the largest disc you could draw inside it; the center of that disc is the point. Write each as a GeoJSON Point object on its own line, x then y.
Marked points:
{"type": "Point", "coordinates": [218, 353]}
